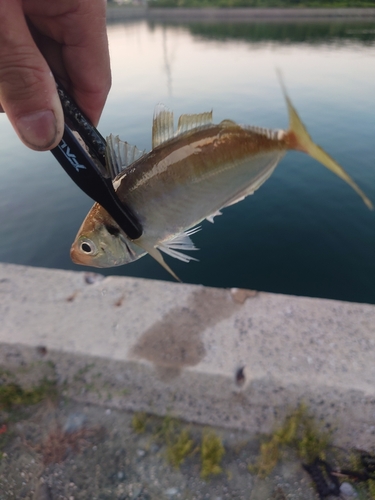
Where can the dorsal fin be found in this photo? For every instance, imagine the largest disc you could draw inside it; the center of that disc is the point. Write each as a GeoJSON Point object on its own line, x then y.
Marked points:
{"type": "Point", "coordinates": [190, 122]}
{"type": "Point", "coordinates": [120, 154]}
{"type": "Point", "coordinates": [273, 134]}
{"type": "Point", "coordinates": [162, 125]}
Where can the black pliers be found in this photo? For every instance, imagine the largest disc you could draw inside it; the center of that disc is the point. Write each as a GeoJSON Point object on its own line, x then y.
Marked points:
{"type": "Point", "coordinates": [87, 168]}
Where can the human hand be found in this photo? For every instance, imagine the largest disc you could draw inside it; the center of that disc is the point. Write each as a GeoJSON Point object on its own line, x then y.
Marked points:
{"type": "Point", "coordinates": [67, 36]}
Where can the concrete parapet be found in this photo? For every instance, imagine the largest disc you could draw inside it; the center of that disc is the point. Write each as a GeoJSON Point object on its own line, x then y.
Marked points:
{"type": "Point", "coordinates": [237, 14]}
{"type": "Point", "coordinates": [234, 358]}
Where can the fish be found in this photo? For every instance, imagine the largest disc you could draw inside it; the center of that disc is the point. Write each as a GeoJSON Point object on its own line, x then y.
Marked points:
{"type": "Point", "coordinates": [189, 175]}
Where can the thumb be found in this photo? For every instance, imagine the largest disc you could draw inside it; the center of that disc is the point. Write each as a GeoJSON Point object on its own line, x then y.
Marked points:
{"type": "Point", "coordinates": [27, 88]}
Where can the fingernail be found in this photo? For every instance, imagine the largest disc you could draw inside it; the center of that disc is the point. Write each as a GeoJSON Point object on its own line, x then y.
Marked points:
{"type": "Point", "coordinates": [38, 130]}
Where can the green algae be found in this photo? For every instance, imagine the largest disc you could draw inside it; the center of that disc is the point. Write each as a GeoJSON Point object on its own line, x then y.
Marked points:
{"type": "Point", "coordinates": [179, 447]}
{"type": "Point", "coordinates": [13, 395]}
{"type": "Point", "coordinates": [139, 422]}
{"type": "Point", "coordinates": [212, 452]}
{"type": "Point", "coordinates": [300, 432]}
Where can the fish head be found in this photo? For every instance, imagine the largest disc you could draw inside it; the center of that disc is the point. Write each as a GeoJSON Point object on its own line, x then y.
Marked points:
{"type": "Point", "coordinates": [101, 243]}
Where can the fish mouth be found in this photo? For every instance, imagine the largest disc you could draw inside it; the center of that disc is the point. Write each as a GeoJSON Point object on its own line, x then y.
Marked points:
{"type": "Point", "coordinates": [73, 255]}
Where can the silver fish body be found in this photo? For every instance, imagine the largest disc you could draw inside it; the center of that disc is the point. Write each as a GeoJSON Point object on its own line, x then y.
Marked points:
{"type": "Point", "coordinates": [188, 176]}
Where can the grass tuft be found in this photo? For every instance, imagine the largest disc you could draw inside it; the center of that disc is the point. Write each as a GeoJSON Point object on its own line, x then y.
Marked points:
{"type": "Point", "coordinates": [179, 447]}
{"type": "Point", "coordinates": [12, 395]}
{"type": "Point", "coordinates": [212, 452]}
{"type": "Point", "coordinates": [139, 422]}
{"type": "Point", "coordinates": [299, 431]}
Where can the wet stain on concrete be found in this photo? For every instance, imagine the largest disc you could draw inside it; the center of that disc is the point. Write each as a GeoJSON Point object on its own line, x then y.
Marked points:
{"type": "Point", "coordinates": [175, 341]}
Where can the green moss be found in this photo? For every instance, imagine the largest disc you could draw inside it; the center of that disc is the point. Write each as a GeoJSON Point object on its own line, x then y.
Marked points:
{"type": "Point", "coordinates": [313, 443]}
{"type": "Point", "coordinates": [12, 395]}
{"type": "Point", "coordinates": [212, 452]}
{"type": "Point", "coordinates": [179, 448]}
{"type": "Point", "coordinates": [139, 422]}
{"type": "Point", "coordinates": [83, 371]}
{"type": "Point", "coordinates": [371, 488]}
{"type": "Point", "coordinates": [300, 432]}
{"type": "Point", "coordinates": [169, 426]}
{"type": "Point", "coordinates": [6, 374]}
{"type": "Point", "coordinates": [355, 461]}
{"type": "Point", "coordinates": [180, 444]}
{"type": "Point", "coordinates": [365, 488]}
{"type": "Point", "coordinates": [269, 457]}
{"type": "Point", "coordinates": [13, 398]}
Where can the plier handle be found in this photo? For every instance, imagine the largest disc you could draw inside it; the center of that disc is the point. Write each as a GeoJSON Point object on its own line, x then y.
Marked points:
{"type": "Point", "coordinates": [86, 166]}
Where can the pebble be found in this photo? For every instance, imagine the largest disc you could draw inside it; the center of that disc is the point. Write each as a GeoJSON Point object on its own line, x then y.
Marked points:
{"type": "Point", "coordinates": [171, 492]}
{"type": "Point", "coordinates": [348, 490]}
{"type": "Point", "coordinates": [136, 492]}
{"type": "Point", "coordinates": [74, 422]}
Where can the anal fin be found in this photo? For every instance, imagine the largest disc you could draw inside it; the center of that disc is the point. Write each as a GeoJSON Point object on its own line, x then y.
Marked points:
{"type": "Point", "coordinates": [154, 252]}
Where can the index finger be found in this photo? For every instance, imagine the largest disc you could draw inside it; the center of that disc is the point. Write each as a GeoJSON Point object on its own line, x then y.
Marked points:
{"type": "Point", "coordinates": [79, 26]}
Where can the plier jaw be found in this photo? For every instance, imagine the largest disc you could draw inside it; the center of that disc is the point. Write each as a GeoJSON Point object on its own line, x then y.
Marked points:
{"type": "Point", "coordinates": [86, 166]}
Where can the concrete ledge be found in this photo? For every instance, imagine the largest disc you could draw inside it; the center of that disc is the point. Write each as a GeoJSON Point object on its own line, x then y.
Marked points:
{"type": "Point", "coordinates": [240, 14]}
{"type": "Point", "coordinates": [232, 358]}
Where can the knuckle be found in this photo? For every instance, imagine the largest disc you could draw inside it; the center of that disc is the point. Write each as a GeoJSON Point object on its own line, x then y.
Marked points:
{"type": "Point", "coordinates": [19, 79]}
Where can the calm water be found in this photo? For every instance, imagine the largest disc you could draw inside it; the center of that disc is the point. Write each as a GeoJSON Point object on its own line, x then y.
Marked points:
{"type": "Point", "coordinates": [305, 231]}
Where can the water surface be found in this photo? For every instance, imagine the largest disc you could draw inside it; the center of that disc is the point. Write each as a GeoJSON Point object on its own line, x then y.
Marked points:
{"type": "Point", "coordinates": [305, 231]}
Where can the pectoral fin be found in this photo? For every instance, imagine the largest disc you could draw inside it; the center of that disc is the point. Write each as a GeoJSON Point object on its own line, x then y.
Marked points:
{"type": "Point", "coordinates": [120, 155]}
{"type": "Point", "coordinates": [180, 242]}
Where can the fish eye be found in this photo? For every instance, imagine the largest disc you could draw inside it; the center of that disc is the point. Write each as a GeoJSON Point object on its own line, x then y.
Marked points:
{"type": "Point", "coordinates": [88, 247]}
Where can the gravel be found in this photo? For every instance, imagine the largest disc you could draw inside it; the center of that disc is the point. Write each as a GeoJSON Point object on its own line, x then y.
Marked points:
{"type": "Point", "coordinates": [70, 451]}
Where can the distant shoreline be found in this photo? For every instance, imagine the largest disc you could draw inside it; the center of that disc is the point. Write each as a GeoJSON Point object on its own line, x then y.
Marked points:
{"type": "Point", "coordinates": [239, 14]}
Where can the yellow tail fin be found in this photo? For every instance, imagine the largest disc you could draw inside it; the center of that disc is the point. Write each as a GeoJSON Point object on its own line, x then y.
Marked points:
{"type": "Point", "coordinates": [298, 138]}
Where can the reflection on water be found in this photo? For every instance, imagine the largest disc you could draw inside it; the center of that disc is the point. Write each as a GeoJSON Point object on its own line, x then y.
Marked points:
{"type": "Point", "coordinates": [287, 32]}
{"type": "Point", "coordinates": [304, 232]}
{"type": "Point", "coordinates": [168, 57]}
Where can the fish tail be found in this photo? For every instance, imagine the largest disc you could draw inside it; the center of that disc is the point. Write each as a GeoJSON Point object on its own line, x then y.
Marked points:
{"type": "Point", "coordinates": [154, 252]}
{"type": "Point", "coordinates": [298, 138]}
